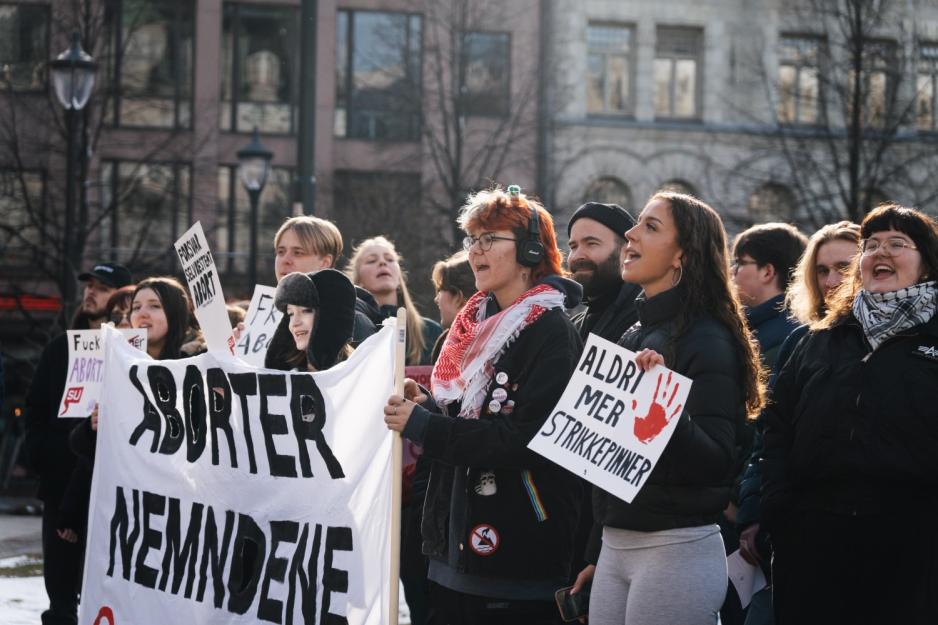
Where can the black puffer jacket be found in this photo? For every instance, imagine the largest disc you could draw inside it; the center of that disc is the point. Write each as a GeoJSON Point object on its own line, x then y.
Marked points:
{"type": "Point", "coordinates": [852, 432]}
{"type": "Point", "coordinates": [484, 476]}
{"type": "Point", "coordinates": [691, 483]}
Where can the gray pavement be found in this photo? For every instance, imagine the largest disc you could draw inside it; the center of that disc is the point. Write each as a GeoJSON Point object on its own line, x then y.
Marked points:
{"type": "Point", "coordinates": [20, 531]}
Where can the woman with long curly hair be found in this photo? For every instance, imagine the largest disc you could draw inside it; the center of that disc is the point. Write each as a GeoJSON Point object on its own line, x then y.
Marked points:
{"type": "Point", "coordinates": [660, 558]}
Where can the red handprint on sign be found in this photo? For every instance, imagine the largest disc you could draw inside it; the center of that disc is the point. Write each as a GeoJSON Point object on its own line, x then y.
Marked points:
{"type": "Point", "coordinates": [648, 427]}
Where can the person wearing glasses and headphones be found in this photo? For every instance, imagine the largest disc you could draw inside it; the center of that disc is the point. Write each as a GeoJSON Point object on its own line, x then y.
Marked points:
{"type": "Point", "coordinates": [498, 520]}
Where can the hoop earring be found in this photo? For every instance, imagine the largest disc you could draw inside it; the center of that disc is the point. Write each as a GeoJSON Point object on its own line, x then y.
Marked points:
{"type": "Point", "coordinates": [679, 272]}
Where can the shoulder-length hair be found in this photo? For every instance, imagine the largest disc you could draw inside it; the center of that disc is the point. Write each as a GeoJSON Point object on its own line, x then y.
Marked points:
{"type": "Point", "coordinates": [176, 307]}
{"type": "Point", "coordinates": [415, 341]}
{"type": "Point", "coordinates": [494, 209]}
{"type": "Point", "coordinates": [709, 291]}
{"type": "Point", "coordinates": [919, 227]}
{"type": "Point", "coordinates": [804, 297]}
{"type": "Point", "coordinates": [318, 236]}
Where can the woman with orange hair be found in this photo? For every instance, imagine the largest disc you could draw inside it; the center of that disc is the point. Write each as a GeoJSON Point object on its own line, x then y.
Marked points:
{"type": "Point", "coordinates": [498, 520]}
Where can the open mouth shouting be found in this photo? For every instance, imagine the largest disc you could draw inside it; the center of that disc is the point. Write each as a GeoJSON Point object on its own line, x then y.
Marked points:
{"type": "Point", "coordinates": [883, 271]}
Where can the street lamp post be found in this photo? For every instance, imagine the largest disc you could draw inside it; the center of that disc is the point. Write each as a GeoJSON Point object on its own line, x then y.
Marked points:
{"type": "Point", "coordinates": [254, 166]}
{"type": "Point", "coordinates": [73, 80]}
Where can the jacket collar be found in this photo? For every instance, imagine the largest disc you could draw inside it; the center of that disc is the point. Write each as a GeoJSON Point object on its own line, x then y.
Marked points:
{"type": "Point", "coordinates": [772, 307]}
{"type": "Point", "coordinates": [661, 307]}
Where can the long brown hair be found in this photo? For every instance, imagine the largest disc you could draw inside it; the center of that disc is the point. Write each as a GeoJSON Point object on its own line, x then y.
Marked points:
{"type": "Point", "coordinates": [804, 297]}
{"type": "Point", "coordinates": [176, 307]}
{"type": "Point", "coordinates": [415, 342]}
{"type": "Point", "coordinates": [705, 273]}
{"type": "Point", "coordinates": [919, 227]}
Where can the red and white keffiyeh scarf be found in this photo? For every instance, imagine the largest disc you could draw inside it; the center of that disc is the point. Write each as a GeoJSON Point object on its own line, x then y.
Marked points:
{"type": "Point", "coordinates": [474, 343]}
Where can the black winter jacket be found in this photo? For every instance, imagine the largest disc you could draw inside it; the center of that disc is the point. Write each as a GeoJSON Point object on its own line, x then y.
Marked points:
{"type": "Point", "coordinates": [690, 485]}
{"type": "Point", "coordinates": [483, 474]}
{"type": "Point", "coordinates": [853, 432]}
{"type": "Point", "coordinates": [46, 444]}
{"type": "Point", "coordinates": [609, 317]}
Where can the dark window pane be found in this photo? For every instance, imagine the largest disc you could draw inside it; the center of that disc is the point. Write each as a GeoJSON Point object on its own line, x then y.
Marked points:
{"type": "Point", "coordinates": [383, 99]}
{"type": "Point", "coordinates": [155, 45]}
{"type": "Point", "coordinates": [233, 233]}
{"type": "Point", "coordinates": [24, 46]}
{"type": "Point", "coordinates": [149, 209]}
{"type": "Point", "coordinates": [486, 60]}
{"type": "Point", "coordinates": [23, 213]}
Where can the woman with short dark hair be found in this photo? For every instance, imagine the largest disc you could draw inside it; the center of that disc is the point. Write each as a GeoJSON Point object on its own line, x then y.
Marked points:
{"type": "Point", "coordinates": [850, 492]}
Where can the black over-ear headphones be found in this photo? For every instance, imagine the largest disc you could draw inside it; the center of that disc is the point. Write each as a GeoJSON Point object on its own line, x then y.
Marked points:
{"type": "Point", "coordinates": [530, 250]}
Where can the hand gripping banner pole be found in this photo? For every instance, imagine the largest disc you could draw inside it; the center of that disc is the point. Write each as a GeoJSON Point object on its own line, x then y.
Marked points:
{"type": "Point", "coordinates": [396, 471]}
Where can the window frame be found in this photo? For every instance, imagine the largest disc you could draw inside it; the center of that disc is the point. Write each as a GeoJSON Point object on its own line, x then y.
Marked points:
{"type": "Point", "coordinates": [347, 88]}
{"type": "Point", "coordinates": [47, 9]}
{"type": "Point", "coordinates": [235, 78]}
{"type": "Point", "coordinates": [111, 248]}
{"type": "Point", "coordinates": [116, 39]}
{"type": "Point", "coordinates": [673, 57]}
{"type": "Point", "coordinates": [462, 73]}
{"type": "Point", "coordinates": [631, 65]}
{"type": "Point", "coordinates": [799, 66]}
{"type": "Point", "coordinates": [932, 75]}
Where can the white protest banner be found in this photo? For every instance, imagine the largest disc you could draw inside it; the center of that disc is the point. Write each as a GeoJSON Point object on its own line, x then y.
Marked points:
{"type": "Point", "coordinates": [198, 265]}
{"type": "Point", "coordinates": [224, 494]}
{"type": "Point", "coordinates": [259, 326]}
{"type": "Point", "coordinates": [86, 369]}
{"type": "Point", "coordinates": [613, 420]}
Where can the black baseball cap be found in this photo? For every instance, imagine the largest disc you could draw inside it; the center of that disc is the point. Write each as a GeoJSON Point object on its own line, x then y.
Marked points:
{"type": "Point", "coordinates": [112, 274]}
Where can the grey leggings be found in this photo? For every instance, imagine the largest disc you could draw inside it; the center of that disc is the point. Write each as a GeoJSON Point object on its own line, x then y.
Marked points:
{"type": "Point", "coordinates": [677, 584]}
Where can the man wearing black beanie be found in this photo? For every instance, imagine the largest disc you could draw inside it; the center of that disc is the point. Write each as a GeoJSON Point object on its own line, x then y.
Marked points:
{"type": "Point", "coordinates": [596, 237]}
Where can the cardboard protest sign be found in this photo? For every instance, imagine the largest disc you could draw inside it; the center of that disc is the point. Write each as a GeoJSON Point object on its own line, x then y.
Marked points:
{"type": "Point", "coordinates": [227, 494]}
{"type": "Point", "coordinates": [86, 369]}
{"type": "Point", "coordinates": [613, 421]}
{"type": "Point", "coordinates": [198, 265]}
{"type": "Point", "coordinates": [259, 326]}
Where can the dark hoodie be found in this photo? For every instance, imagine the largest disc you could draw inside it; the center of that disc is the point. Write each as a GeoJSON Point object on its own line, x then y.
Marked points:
{"type": "Point", "coordinates": [367, 306]}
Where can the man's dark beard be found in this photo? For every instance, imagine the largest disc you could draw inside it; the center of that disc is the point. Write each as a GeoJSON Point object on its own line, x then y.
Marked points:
{"type": "Point", "coordinates": [605, 279]}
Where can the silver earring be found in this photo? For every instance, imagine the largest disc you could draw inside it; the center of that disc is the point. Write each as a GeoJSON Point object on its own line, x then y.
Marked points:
{"type": "Point", "coordinates": [679, 272]}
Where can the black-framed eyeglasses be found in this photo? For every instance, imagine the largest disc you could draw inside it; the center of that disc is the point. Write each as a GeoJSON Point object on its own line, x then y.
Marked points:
{"type": "Point", "coordinates": [891, 246]}
{"type": "Point", "coordinates": [485, 241]}
{"type": "Point", "coordinates": [741, 262]}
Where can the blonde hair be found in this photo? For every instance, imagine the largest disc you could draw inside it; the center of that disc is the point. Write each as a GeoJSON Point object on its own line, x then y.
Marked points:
{"type": "Point", "coordinates": [318, 236]}
{"type": "Point", "coordinates": [804, 297]}
{"type": "Point", "coordinates": [415, 342]}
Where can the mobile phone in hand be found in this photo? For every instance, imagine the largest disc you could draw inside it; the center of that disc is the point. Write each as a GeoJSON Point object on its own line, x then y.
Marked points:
{"type": "Point", "coordinates": [572, 607]}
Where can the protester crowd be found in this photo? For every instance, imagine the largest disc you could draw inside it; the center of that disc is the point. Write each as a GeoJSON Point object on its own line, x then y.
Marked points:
{"type": "Point", "coordinates": [808, 440]}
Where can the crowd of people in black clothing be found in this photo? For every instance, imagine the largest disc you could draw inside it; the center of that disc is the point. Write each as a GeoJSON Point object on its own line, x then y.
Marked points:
{"type": "Point", "coordinates": [809, 440]}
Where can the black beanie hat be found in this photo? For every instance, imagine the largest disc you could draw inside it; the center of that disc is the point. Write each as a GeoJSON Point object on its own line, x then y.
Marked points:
{"type": "Point", "coordinates": [612, 216]}
{"type": "Point", "coordinates": [332, 294]}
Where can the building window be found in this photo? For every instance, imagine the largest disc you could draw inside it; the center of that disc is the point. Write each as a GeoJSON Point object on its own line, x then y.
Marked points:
{"type": "Point", "coordinates": [926, 100]}
{"type": "Point", "coordinates": [798, 80]}
{"type": "Point", "coordinates": [24, 46]}
{"type": "Point", "coordinates": [880, 82]}
{"type": "Point", "coordinates": [678, 55]}
{"type": "Point", "coordinates": [609, 190]}
{"type": "Point", "coordinates": [259, 48]}
{"type": "Point", "coordinates": [678, 186]}
{"type": "Point", "coordinates": [609, 69]}
{"type": "Point", "coordinates": [233, 232]}
{"type": "Point", "coordinates": [366, 203]}
{"type": "Point", "coordinates": [485, 73]}
{"type": "Point", "coordinates": [152, 64]}
{"type": "Point", "coordinates": [22, 205]}
{"type": "Point", "coordinates": [148, 207]}
{"type": "Point", "coordinates": [378, 78]}
{"type": "Point", "coordinates": [772, 202]}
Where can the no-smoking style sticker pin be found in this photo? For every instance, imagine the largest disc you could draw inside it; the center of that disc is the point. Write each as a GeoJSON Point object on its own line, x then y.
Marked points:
{"type": "Point", "coordinates": [484, 540]}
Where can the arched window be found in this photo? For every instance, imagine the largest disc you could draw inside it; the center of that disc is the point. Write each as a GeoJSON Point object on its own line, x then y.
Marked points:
{"type": "Point", "coordinates": [772, 202]}
{"type": "Point", "coordinates": [609, 190]}
{"type": "Point", "coordinates": [676, 185]}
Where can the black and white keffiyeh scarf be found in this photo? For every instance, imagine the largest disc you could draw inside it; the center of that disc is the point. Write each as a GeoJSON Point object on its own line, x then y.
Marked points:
{"type": "Point", "coordinates": [884, 315]}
